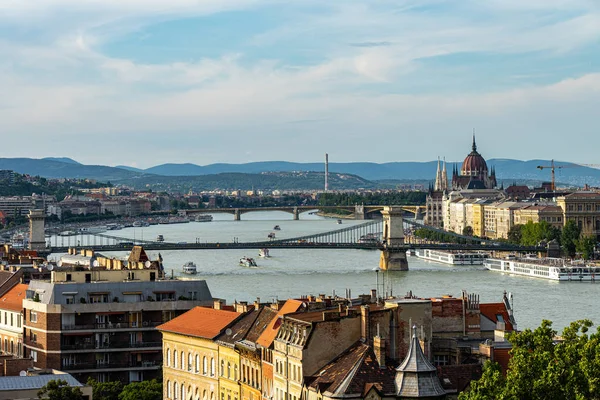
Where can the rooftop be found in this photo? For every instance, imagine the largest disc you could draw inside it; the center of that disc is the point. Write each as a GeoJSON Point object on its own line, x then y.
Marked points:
{"type": "Point", "coordinates": [200, 322]}
{"type": "Point", "coordinates": [34, 382]}
{"type": "Point", "coordinates": [267, 337]}
{"type": "Point", "coordinates": [13, 299]}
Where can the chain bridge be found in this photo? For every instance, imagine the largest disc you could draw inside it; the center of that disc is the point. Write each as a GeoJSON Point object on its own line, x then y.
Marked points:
{"type": "Point", "coordinates": [392, 236]}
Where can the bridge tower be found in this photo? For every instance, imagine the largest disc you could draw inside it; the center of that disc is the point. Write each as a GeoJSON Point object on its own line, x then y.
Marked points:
{"type": "Point", "coordinates": [296, 213]}
{"type": "Point", "coordinates": [393, 254]}
{"type": "Point", "coordinates": [359, 212]}
{"type": "Point", "coordinates": [37, 240]}
{"type": "Point", "coordinates": [237, 215]}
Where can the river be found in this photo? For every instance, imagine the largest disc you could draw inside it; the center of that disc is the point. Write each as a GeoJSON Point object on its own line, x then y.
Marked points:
{"type": "Point", "coordinates": [296, 272]}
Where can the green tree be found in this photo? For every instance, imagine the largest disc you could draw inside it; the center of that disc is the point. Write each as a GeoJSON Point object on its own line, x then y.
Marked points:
{"type": "Point", "coordinates": [105, 390]}
{"type": "Point", "coordinates": [146, 390]}
{"type": "Point", "coordinates": [569, 237]}
{"type": "Point", "coordinates": [544, 367]}
{"type": "Point", "coordinates": [467, 231]}
{"type": "Point", "coordinates": [59, 390]}
{"type": "Point", "coordinates": [585, 246]}
{"type": "Point", "coordinates": [515, 234]}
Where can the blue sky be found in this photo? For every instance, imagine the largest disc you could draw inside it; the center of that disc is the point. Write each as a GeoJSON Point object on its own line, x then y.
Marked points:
{"type": "Point", "coordinates": [148, 82]}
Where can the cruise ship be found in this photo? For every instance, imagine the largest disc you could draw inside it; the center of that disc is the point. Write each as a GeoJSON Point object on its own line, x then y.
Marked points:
{"type": "Point", "coordinates": [555, 269]}
{"type": "Point", "coordinates": [450, 257]}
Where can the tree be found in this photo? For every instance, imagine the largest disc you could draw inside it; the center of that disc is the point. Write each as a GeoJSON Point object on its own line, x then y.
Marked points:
{"type": "Point", "coordinates": [544, 367]}
{"type": "Point", "coordinates": [570, 234]}
{"type": "Point", "coordinates": [585, 246]}
{"type": "Point", "coordinates": [515, 234]}
{"type": "Point", "coordinates": [146, 390]}
{"type": "Point", "coordinates": [105, 390]}
{"type": "Point", "coordinates": [59, 390]}
{"type": "Point", "coordinates": [467, 231]}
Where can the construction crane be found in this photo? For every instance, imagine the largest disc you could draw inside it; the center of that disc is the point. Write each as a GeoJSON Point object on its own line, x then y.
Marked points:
{"type": "Point", "coordinates": [553, 166]}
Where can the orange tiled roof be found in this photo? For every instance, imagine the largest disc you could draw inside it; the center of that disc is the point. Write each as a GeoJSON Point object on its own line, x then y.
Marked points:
{"type": "Point", "coordinates": [268, 335]}
{"type": "Point", "coordinates": [200, 322]}
{"type": "Point", "coordinates": [492, 310]}
{"type": "Point", "coordinates": [13, 299]}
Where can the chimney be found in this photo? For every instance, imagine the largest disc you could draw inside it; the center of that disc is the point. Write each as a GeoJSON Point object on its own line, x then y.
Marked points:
{"type": "Point", "coordinates": [365, 335]}
{"type": "Point", "coordinates": [218, 304]}
{"type": "Point", "coordinates": [257, 303]}
{"type": "Point", "coordinates": [241, 307]}
{"type": "Point", "coordinates": [379, 349]}
{"type": "Point", "coordinates": [373, 295]}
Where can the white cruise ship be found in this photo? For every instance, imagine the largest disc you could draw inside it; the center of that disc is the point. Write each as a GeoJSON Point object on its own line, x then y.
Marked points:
{"type": "Point", "coordinates": [450, 257]}
{"type": "Point", "coordinates": [555, 269]}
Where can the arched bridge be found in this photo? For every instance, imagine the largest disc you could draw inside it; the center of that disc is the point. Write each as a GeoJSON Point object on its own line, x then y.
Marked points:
{"type": "Point", "coordinates": [358, 211]}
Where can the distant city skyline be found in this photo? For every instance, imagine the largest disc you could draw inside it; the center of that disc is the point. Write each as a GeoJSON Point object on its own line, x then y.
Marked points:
{"type": "Point", "coordinates": [142, 83]}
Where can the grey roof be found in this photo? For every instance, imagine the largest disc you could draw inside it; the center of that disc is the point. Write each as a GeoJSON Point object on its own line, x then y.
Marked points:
{"type": "Point", "coordinates": [416, 376]}
{"type": "Point", "coordinates": [34, 382]}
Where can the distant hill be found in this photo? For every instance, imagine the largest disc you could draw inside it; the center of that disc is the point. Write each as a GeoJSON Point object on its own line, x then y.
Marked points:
{"type": "Point", "coordinates": [58, 169]}
{"type": "Point", "coordinates": [506, 170]}
{"type": "Point", "coordinates": [232, 175]}
{"type": "Point", "coordinates": [62, 159]}
{"type": "Point", "coordinates": [263, 181]}
{"type": "Point", "coordinates": [128, 168]}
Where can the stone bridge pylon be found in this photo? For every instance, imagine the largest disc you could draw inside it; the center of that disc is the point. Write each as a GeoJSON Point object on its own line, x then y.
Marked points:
{"type": "Point", "coordinates": [393, 254]}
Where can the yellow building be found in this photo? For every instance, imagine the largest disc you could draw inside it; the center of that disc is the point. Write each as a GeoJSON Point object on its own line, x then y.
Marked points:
{"type": "Point", "coordinates": [478, 224]}
{"type": "Point", "coordinates": [584, 209]}
{"type": "Point", "coordinates": [192, 356]}
{"type": "Point", "coordinates": [537, 213]}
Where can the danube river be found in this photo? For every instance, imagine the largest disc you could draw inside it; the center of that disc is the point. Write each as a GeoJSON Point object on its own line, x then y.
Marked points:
{"type": "Point", "coordinates": [292, 273]}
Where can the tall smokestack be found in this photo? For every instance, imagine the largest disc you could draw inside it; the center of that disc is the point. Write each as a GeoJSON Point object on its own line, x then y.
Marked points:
{"type": "Point", "coordinates": [326, 171]}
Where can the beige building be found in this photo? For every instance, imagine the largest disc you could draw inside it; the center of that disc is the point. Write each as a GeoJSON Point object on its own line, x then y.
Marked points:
{"type": "Point", "coordinates": [11, 320]}
{"type": "Point", "coordinates": [550, 213]}
{"type": "Point", "coordinates": [584, 209]}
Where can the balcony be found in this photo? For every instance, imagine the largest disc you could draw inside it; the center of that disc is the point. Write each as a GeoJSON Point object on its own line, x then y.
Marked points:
{"type": "Point", "coordinates": [113, 326]}
{"type": "Point", "coordinates": [110, 346]}
{"type": "Point", "coordinates": [112, 366]}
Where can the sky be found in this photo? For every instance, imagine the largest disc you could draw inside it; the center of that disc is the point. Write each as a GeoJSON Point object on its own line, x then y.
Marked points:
{"type": "Point", "coordinates": [146, 82]}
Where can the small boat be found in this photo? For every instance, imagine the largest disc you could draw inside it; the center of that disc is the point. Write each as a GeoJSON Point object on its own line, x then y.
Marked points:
{"type": "Point", "coordinates": [160, 238]}
{"type": "Point", "coordinates": [276, 228]}
{"type": "Point", "coordinates": [264, 253]}
{"type": "Point", "coordinates": [203, 218]}
{"type": "Point", "coordinates": [140, 224]}
{"type": "Point", "coordinates": [339, 221]}
{"type": "Point", "coordinates": [271, 235]}
{"type": "Point", "coordinates": [189, 268]}
{"type": "Point", "coordinates": [248, 262]}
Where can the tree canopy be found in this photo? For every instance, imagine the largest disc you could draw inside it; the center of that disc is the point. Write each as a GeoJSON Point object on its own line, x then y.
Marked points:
{"type": "Point", "coordinates": [569, 237]}
{"type": "Point", "coordinates": [146, 390]}
{"type": "Point", "coordinates": [543, 366]}
{"type": "Point", "coordinates": [105, 390]}
{"type": "Point", "coordinates": [59, 390]}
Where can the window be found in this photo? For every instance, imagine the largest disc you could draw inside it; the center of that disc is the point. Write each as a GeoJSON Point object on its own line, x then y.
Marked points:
{"type": "Point", "coordinates": [212, 367]}
{"type": "Point", "coordinates": [228, 370]}
{"type": "Point", "coordinates": [32, 316]}
{"type": "Point", "coordinates": [34, 355]}
{"type": "Point", "coordinates": [12, 322]}
{"type": "Point", "coordinates": [222, 367]}
{"type": "Point", "coordinates": [204, 365]}
{"type": "Point", "coordinates": [235, 372]}
{"type": "Point", "coordinates": [175, 390]}
{"type": "Point", "coordinates": [169, 389]}
{"type": "Point", "coordinates": [190, 362]}
{"type": "Point", "coordinates": [182, 392]}
{"type": "Point", "coordinates": [175, 359]}
{"type": "Point", "coordinates": [182, 366]}
{"type": "Point", "coordinates": [18, 320]}
{"type": "Point", "coordinates": [168, 359]}
{"type": "Point", "coordinates": [165, 296]}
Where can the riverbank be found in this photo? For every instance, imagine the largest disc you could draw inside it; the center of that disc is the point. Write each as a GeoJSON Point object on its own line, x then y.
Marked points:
{"type": "Point", "coordinates": [335, 216]}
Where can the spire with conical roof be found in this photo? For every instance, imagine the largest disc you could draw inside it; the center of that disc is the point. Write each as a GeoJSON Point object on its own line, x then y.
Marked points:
{"type": "Point", "coordinates": [438, 177]}
{"type": "Point", "coordinates": [444, 176]}
{"type": "Point", "coordinates": [416, 376]}
{"type": "Point", "coordinates": [474, 144]}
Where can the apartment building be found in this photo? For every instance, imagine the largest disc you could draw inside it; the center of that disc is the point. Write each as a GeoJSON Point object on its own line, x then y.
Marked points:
{"type": "Point", "coordinates": [11, 320]}
{"type": "Point", "coordinates": [97, 316]}
{"type": "Point", "coordinates": [584, 209]}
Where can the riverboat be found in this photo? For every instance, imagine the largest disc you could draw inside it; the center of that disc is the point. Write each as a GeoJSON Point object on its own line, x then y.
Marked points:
{"type": "Point", "coordinates": [451, 257]}
{"type": "Point", "coordinates": [92, 230]}
{"type": "Point", "coordinates": [189, 268]}
{"type": "Point", "coordinates": [276, 228]}
{"type": "Point", "coordinates": [339, 221]}
{"type": "Point", "coordinates": [271, 235]}
{"type": "Point", "coordinates": [264, 253]}
{"type": "Point", "coordinates": [248, 262]}
{"type": "Point", "coordinates": [140, 224]}
{"type": "Point", "coordinates": [203, 218]}
{"type": "Point", "coordinates": [555, 269]}
{"type": "Point", "coordinates": [369, 238]}
{"type": "Point", "coordinates": [160, 238]}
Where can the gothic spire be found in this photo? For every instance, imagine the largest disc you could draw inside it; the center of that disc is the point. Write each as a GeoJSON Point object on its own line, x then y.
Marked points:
{"type": "Point", "coordinates": [474, 144]}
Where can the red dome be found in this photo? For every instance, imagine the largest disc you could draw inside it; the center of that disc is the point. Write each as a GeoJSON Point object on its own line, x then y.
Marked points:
{"type": "Point", "coordinates": [474, 164]}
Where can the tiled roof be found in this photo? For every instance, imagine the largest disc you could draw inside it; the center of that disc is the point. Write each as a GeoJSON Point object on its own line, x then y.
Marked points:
{"type": "Point", "coordinates": [354, 372]}
{"type": "Point", "coordinates": [456, 378]}
{"type": "Point", "coordinates": [261, 323]}
{"type": "Point", "coordinates": [200, 322]}
{"type": "Point", "coordinates": [268, 335]}
{"type": "Point", "coordinates": [492, 310]}
{"type": "Point", "coordinates": [5, 276]}
{"type": "Point", "coordinates": [417, 377]}
{"type": "Point", "coordinates": [13, 299]}
{"type": "Point", "coordinates": [239, 329]}
{"type": "Point", "coordinates": [34, 382]}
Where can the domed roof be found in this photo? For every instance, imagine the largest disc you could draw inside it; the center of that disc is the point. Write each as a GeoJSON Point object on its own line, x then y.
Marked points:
{"type": "Point", "coordinates": [474, 164]}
